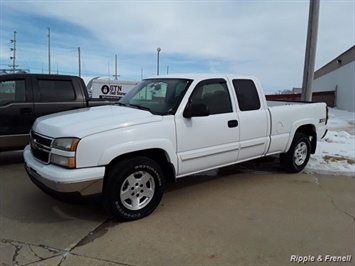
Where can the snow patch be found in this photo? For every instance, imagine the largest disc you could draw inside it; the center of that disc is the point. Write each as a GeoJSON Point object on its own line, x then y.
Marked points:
{"type": "Point", "coordinates": [335, 153]}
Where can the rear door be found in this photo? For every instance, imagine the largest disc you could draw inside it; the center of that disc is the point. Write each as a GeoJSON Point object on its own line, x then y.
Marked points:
{"type": "Point", "coordinates": [253, 118]}
{"type": "Point", "coordinates": [54, 94]}
{"type": "Point", "coordinates": [16, 110]}
{"type": "Point", "coordinates": [209, 141]}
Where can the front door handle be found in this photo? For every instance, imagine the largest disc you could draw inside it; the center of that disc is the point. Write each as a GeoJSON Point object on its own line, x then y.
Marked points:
{"type": "Point", "coordinates": [232, 123]}
{"type": "Point", "coordinates": [26, 111]}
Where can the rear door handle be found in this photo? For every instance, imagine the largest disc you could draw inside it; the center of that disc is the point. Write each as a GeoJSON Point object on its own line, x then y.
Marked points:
{"type": "Point", "coordinates": [26, 111]}
{"type": "Point", "coordinates": [232, 123]}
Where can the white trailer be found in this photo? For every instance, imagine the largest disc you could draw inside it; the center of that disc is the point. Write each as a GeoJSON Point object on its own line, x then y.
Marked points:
{"type": "Point", "coordinates": [106, 88]}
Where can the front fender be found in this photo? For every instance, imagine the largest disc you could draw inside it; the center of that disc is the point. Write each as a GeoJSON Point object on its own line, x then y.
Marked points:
{"type": "Point", "coordinates": [134, 146]}
{"type": "Point", "coordinates": [101, 148]}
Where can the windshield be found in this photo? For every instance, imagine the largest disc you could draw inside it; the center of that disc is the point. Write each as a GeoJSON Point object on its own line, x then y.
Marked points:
{"type": "Point", "coordinates": [159, 96]}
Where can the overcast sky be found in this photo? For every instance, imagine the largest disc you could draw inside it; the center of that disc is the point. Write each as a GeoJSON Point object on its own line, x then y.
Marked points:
{"type": "Point", "coordinates": [266, 39]}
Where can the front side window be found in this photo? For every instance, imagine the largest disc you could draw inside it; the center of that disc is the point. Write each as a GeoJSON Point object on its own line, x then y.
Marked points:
{"type": "Point", "coordinates": [12, 91]}
{"type": "Point", "coordinates": [56, 90]}
{"type": "Point", "coordinates": [214, 93]}
{"type": "Point", "coordinates": [159, 96]}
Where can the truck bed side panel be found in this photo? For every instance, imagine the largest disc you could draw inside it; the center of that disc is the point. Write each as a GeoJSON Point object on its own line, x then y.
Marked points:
{"type": "Point", "coordinates": [286, 120]}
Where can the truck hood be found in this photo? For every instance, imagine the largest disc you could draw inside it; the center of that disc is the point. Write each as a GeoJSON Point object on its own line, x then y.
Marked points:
{"type": "Point", "coordinates": [87, 121]}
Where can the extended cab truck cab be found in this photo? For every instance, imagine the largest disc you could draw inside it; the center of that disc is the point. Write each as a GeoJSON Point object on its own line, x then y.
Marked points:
{"type": "Point", "coordinates": [165, 128]}
{"type": "Point", "coordinates": [25, 97]}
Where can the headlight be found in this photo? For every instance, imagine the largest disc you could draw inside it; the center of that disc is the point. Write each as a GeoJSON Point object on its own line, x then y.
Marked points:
{"type": "Point", "coordinates": [64, 152]}
{"type": "Point", "coordinates": [66, 144]}
{"type": "Point", "coordinates": [68, 162]}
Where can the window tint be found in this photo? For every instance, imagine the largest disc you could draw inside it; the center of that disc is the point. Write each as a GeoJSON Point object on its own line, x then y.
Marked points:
{"type": "Point", "coordinates": [215, 94]}
{"type": "Point", "coordinates": [160, 96]}
{"type": "Point", "coordinates": [155, 91]}
{"type": "Point", "coordinates": [56, 90]}
{"type": "Point", "coordinates": [180, 88]}
{"type": "Point", "coordinates": [12, 91]}
{"type": "Point", "coordinates": [247, 95]}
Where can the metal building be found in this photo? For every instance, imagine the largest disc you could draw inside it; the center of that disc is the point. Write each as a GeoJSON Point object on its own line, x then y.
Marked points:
{"type": "Point", "coordinates": [339, 76]}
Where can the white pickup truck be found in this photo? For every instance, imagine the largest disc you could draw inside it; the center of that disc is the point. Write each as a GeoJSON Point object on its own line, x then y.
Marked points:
{"type": "Point", "coordinates": [165, 128]}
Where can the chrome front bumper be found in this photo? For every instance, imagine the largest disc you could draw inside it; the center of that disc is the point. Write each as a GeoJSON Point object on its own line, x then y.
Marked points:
{"type": "Point", "coordinates": [55, 179]}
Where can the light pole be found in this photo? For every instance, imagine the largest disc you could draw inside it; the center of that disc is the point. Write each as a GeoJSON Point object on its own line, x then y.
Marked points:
{"type": "Point", "coordinates": [158, 50]}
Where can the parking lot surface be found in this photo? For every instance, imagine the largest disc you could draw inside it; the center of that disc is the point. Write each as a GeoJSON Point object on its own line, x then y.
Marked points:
{"type": "Point", "coordinates": [248, 214]}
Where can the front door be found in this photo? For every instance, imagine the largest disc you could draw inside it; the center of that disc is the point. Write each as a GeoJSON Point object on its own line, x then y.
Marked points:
{"type": "Point", "coordinates": [16, 111]}
{"type": "Point", "coordinates": [209, 141]}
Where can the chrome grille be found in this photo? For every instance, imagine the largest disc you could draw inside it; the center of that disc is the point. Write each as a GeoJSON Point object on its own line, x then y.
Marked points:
{"type": "Point", "coordinates": [41, 147]}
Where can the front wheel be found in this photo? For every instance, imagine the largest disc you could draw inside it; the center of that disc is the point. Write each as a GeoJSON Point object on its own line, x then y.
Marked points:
{"type": "Point", "coordinates": [297, 157]}
{"type": "Point", "coordinates": [133, 189]}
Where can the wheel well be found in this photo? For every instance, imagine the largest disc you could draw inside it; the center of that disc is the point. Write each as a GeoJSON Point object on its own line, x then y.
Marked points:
{"type": "Point", "coordinates": [157, 155]}
{"type": "Point", "coordinates": [310, 131]}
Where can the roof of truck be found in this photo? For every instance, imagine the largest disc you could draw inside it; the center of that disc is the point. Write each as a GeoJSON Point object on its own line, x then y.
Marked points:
{"type": "Point", "coordinates": [200, 76]}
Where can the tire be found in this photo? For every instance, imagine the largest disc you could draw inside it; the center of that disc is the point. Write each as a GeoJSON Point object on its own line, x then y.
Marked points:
{"type": "Point", "coordinates": [133, 189]}
{"type": "Point", "coordinates": [297, 157]}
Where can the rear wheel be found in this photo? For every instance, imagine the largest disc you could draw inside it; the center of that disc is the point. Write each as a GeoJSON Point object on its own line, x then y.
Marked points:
{"type": "Point", "coordinates": [297, 157]}
{"type": "Point", "coordinates": [134, 188]}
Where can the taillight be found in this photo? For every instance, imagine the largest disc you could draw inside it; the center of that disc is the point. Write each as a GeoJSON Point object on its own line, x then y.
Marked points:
{"type": "Point", "coordinates": [327, 114]}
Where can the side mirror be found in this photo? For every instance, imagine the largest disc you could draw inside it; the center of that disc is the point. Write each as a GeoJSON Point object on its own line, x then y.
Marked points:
{"type": "Point", "coordinates": [196, 109]}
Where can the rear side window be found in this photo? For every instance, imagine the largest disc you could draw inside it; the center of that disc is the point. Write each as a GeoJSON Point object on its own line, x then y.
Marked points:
{"type": "Point", "coordinates": [12, 91]}
{"type": "Point", "coordinates": [247, 95]}
{"type": "Point", "coordinates": [56, 90]}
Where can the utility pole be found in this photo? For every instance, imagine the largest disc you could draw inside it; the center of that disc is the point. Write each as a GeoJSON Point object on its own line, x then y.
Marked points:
{"type": "Point", "coordinates": [116, 76]}
{"type": "Point", "coordinates": [13, 57]}
{"type": "Point", "coordinates": [49, 50]}
{"type": "Point", "coordinates": [311, 45]}
{"type": "Point", "coordinates": [79, 61]}
{"type": "Point", "coordinates": [158, 51]}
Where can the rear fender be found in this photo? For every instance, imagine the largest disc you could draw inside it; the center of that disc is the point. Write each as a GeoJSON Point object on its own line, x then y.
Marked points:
{"type": "Point", "coordinates": [306, 126]}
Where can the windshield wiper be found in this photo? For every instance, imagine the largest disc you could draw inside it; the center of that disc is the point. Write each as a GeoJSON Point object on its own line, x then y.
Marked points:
{"type": "Point", "coordinates": [121, 104]}
{"type": "Point", "coordinates": [140, 107]}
